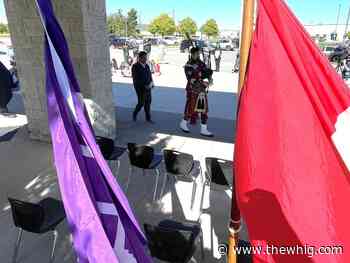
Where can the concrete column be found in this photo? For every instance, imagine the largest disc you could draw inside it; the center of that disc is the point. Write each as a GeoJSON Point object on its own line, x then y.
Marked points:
{"type": "Point", "coordinates": [84, 25]}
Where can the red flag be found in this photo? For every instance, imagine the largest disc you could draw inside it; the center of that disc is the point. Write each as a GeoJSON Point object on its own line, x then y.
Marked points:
{"type": "Point", "coordinates": [293, 144]}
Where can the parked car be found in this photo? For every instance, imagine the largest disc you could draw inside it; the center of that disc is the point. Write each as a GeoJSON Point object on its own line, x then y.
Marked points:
{"type": "Point", "coordinates": [121, 42]}
{"type": "Point", "coordinates": [170, 41]}
{"type": "Point", "coordinates": [134, 43]}
{"type": "Point", "coordinates": [139, 41]}
{"type": "Point", "coordinates": [6, 56]}
{"type": "Point", "coordinates": [226, 44]}
{"type": "Point", "coordinates": [110, 38]}
{"type": "Point", "coordinates": [328, 50]}
{"type": "Point", "coordinates": [340, 52]}
{"type": "Point", "coordinates": [186, 44]}
{"type": "Point", "coordinates": [154, 41]}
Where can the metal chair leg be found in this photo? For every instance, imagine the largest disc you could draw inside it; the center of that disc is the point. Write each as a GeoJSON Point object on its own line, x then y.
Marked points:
{"type": "Point", "coordinates": [117, 168]}
{"type": "Point", "coordinates": [52, 257]}
{"type": "Point", "coordinates": [202, 199]}
{"type": "Point", "coordinates": [18, 242]}
{"type": "Point", "coordinates": [194, 188]}
{"type": "Point", "coordinates": [131, 169]}
{"type": "Point", "coordinates": [202, 245]}
{"type": "Point", "coordinates": [156, 186]}
{"type": "Point", "coordinates": [201, 174]}
{"type": "Point", "coordinates": [164, 184]}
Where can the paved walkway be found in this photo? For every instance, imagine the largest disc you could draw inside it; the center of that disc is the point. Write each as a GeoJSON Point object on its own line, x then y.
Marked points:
{"type": "Point", "coordinates": [171, 97]}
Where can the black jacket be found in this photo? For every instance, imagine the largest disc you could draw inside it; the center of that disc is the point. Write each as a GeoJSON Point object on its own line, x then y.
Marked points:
{"type": "Point", "coordinates": [141, 76]}
{"type": "Point", "coordinates": [6, 86]}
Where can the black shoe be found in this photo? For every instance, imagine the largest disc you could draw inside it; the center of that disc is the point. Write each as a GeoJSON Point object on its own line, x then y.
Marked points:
{"type": "Point", "coordinates": [4, 110]}
{"type": "Point", "coordinates": [207, 135]}
{"type": "Point", "coordinates": [150, 121]}
{"type": "Point", "coordinates": [184, 130]}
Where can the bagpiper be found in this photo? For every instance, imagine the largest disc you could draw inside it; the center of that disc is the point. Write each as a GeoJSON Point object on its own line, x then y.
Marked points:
{"type": "Point", "coordinates": [199, 78]}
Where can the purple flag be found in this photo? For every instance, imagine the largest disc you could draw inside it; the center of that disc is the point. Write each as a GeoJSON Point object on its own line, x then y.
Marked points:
{"type": "Point", "coordinates": [103, 226]}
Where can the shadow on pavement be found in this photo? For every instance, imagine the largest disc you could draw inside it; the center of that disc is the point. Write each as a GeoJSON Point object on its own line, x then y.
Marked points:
{"type": "Point", "coordinates": [168, 123]}
{"type": "Point", "coordinates": [8, 136]}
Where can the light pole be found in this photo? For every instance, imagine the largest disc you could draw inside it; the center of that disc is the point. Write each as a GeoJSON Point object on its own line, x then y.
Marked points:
{"type": "Point", "coordinates": [346, 26]}
{"type": "Point", "coordinates": [336, 26]}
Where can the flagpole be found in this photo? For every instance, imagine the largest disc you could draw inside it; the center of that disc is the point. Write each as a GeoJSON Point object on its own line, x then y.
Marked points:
{"type": "Point", "coordinates": [246, 38]}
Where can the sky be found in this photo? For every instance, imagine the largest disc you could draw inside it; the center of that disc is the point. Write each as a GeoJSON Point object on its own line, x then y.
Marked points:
{"type": "Point", "coordinates": [226, 12]}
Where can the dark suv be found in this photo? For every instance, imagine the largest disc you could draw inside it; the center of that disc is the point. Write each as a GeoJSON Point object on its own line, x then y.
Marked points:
{"type": "Point", "coordinates": [340, 53]}
{"type": "Point", "coordinates": [119, 42]}
{"type": "Point", "coordinates": [122, 42]}
{"type": "Point", "coordinates": [186, 44]}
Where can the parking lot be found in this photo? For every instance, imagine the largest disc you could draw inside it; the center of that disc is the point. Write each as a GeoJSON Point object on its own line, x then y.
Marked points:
{"type": "Point", "coordinates": [174, 57]}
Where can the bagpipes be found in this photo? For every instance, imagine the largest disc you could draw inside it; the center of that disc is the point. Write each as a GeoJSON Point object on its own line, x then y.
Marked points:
{"type": "Point", "coordinates": [208, 72]}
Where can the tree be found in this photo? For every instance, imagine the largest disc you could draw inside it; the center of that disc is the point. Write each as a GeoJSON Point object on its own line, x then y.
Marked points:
{"type": "Point", "coordinates": [132, 23]}
{"type": "Point", "coordinates": [178, 31]}
{"type": "Point", "coordinates": [188, 25]}
{"type": "Point", "coordinates": [117, 23]}
{"type": "Point", "coordinates": [162, 25]}
{"type": "Point", "coordinates": [210, 28]}
{"type": "Point", "coordinates": [348, 35]}
{"type": "Point", "coordinates": [153, 27]}
{"type": "Point", "coordinates": [4, 28]}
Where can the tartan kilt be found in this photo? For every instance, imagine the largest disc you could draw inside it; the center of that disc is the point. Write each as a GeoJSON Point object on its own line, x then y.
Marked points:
{"type": "Point", "coordinates": [190, 109]}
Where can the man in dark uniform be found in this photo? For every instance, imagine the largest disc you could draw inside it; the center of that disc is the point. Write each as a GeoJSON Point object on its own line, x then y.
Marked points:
{"type": "Point", "coordinates": [6, 86]}
{"type": "Point", "coordinates": [217, 57]}
{"type": "Point", "coordinates": [143, 84]}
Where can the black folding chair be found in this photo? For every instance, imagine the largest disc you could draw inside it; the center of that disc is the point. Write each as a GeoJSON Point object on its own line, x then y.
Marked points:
{"type": "Point", "coordinates": [174, 242]}
{"type": "Point", "coordinates": [143, 157]}
{"type": "Point", "coordinates": [180, 166]}
{"type": "Point", "coordinates": [110, 151]}
{"type": "Point", "coordinates": [37, 218]}
{"type": "Point", "coordinates": [218, 175]}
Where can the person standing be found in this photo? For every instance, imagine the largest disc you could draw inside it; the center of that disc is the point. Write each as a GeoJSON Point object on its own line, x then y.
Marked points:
{"type": "Point", "coordinates": [113, 57]}
{"type": "Point", "coordinates": [126, 52]}
{"type": "Point", "coordinates": [6, 86]}
{"type": "Point", "coordinates": [237, 62]}
{"type": "Point", "coordinates": [206, 57]}
{"type": "Point", "coordinates": [135, 51]}
{"type": "Point", "coordinates": [217, 57]}
{"type": "Point", "coordinates": [143, 84]}
{"type": "Point", "coordinates": [199, 77]}
{"type": "Point", "coordinates": [147, 46]}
